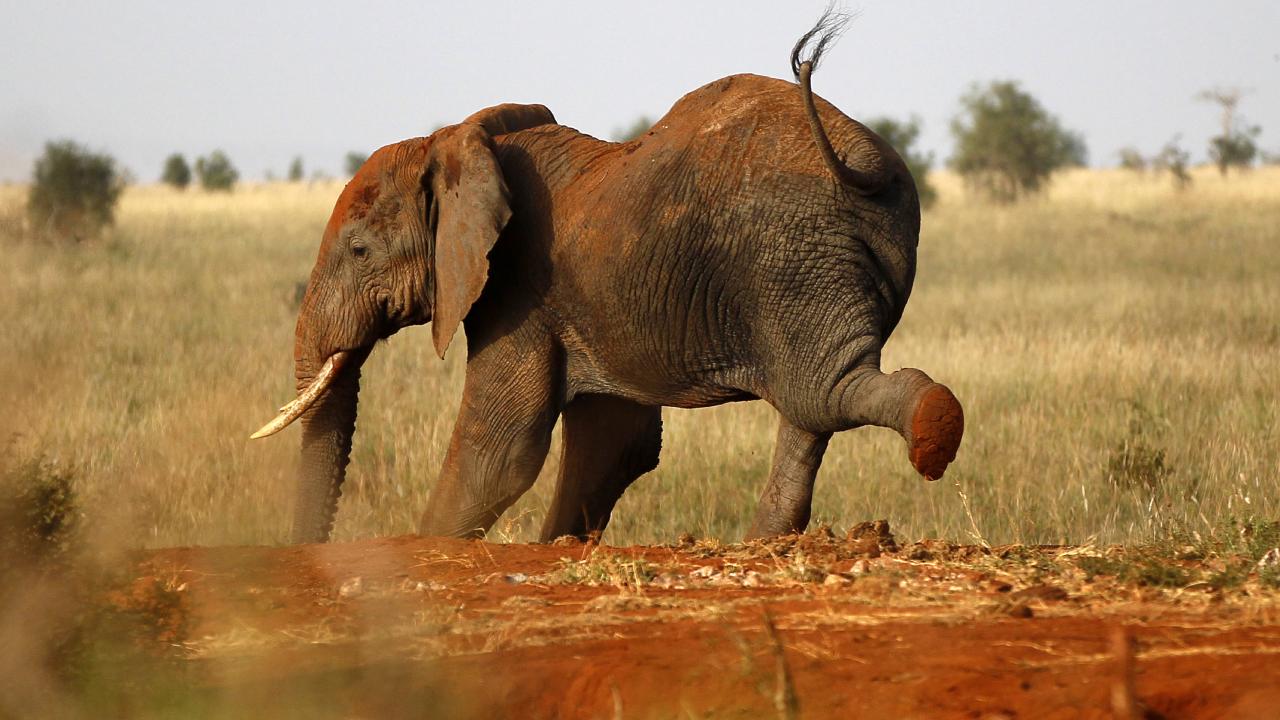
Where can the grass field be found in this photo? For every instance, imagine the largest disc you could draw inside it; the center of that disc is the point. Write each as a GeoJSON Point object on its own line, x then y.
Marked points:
{"type": "Point", "coordinates": [1116, 345]}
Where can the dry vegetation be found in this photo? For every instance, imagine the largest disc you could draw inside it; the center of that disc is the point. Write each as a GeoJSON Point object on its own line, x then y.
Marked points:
{"type": "Point", "coordinates": [1115, 343]}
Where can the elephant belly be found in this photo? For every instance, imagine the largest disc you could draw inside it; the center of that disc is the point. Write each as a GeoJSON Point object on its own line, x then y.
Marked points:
{"type": "Point", "coordinates": [647, 384]}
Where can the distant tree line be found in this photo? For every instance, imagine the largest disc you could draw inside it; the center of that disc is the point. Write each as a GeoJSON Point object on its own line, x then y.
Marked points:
{"type": "Point", "coordinates": [1234, 148]}
{"type": "Point", "coordinates": [214, 172]}
{"type": "Point", "coordinates": [1007, 146]}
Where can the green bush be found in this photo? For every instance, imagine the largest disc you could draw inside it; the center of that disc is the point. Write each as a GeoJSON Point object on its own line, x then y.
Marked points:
{"type": "Point", "coordinates": [295, 170]}
{"type": "Point", "coordinates": [1174, 159]}
{"type": "Point", "coordinates": [902, 136]}
{"type": "Point", "coordinates": [638, 127]}
{"type": "Point", "coordinates": [38, 511]}
{"type": "Point", "coordinates": [1007, 144]}
{"type": "Point", "coordinates": [73, 191]}
{"type": "Point", "coordinates": [216, 172]}
{"type": "Point", "coordinates": [1237, 149]}
{"type": "Point", "coordinates": [1131, 159]}
{"type": "Point", "coordinates": [353, 161]}
{"type": "Point", "coordinates": [176, 172]}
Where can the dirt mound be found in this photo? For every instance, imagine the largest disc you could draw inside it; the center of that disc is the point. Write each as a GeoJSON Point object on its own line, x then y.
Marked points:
{"type": "Point", "coordinates": [813, 626]}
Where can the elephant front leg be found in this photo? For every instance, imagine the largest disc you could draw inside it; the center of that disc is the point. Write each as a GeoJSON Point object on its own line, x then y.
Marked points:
{"type": "Point", "coordinates": [499, 443]}
{"type": "Point", "coordinates": [608, 443]}
{"type": "Point", "coordinates": [786, 502]}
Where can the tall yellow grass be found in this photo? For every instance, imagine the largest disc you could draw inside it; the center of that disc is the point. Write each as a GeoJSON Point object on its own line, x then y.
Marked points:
{"type": "Point", "coordinates": [1111, 318]}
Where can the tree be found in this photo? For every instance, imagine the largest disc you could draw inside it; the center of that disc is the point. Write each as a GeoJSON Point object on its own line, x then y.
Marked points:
{"type": "Point", "coordinates": [295, 170]}
{"type": "Point", "coordinates": [73, 191]}
{"type": "Point", "coordinates": [1131, 159]}
{"type": "Point", "coordinates": [177, 172]}
{"type": "Point", "coordinates": [902, 136]}
{"type": "Point", "coordinates": [1174, 159]}
{"type": "Point", "coordinates": [637, 128]}
{"type": "Point", "coordinates": [1236, 145]}
{"type": "Point", "coordinates": [353, 161]}
{"type": "Point", "coordinates": [216, 171]}
{"type": "Point", "coordinates": [1007, 144]}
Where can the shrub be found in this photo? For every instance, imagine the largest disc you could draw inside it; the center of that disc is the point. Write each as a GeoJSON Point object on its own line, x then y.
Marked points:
{"type": "Point", "coordinates": [177, 172]}
{"type": "Point", "coordinates": [73, 191]}
{"type": "Point", "coordinates": [38, 511]}
{"type": "Point", "coordinates": [1007, 144]}
{"type": "Point", "coordinates": [295, 170]}
{"type": "Point", "coordinates": [1131, 159]}
{"type": "Point", "coordinates": [902, 136]}
{"type": "Point", "coordinates": [216, 171]}
{"type": "Point", "coordinates": [1174, 159]}
{"type": "Point", "coordinates": [637, 128]}
{"type": "Point", "coordinates": [353, 161]}
{"type": "Point", "coordinates": [1135, 463]}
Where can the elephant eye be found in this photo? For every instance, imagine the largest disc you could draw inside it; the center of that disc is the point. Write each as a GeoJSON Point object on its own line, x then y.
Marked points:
{"type": "Point", "coordinates": [358, 249]}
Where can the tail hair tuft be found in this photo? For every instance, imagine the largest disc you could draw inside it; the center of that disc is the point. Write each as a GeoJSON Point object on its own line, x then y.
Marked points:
{"type": "Point", "coordinates": [827, 31]}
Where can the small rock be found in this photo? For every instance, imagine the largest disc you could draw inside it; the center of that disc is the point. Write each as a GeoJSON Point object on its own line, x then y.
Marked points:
{"type": "Point", "coordinates": [705, 571]}
{"type": "Point", "coordinates": [667, 580]}
{"type": "Point", "coordinates": [351, 587]}
{"type": "Point", "coordinates": [860, 567]}
{"type": "Point", "coordinates": [751, 579]}
{"type": "Point", "coordinates": [515, 578]}
{"type": "Point", "coordinates": [834, 580]}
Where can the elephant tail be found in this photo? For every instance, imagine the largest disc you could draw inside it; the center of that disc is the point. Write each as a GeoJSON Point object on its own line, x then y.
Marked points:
{"type": "Point", "coordinates": [804, 62]}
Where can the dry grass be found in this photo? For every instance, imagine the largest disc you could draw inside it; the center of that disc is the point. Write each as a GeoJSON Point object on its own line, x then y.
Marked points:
{"type": "Point", "coordinates": [1088, 333]}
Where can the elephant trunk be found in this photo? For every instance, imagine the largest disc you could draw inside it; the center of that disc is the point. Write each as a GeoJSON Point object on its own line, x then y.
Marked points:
{"type": "Point", "coordinates": [328, 426]}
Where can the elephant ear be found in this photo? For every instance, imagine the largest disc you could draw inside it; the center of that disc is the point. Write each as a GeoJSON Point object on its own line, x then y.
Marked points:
{"type": "Point", "coordinates": [510, 117]}
{"type": "Point", "coordinates": [470, 206]}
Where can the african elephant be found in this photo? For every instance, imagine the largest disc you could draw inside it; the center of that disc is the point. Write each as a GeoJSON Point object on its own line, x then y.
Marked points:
{"type": "Point", "coordinates": [756, 243]}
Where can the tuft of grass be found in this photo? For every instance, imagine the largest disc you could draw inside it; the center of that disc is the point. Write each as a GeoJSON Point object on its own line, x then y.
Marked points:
{"type": "Point", "coordinates": [1138, 569]}
{"type": "Point", "coordinates": [604, 568]}
{"type": "Point", "coordinates": [1137, 462]}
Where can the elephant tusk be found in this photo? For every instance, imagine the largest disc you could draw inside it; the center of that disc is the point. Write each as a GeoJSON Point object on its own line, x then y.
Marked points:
{"type": "Point", "coordinates": [293, 410]}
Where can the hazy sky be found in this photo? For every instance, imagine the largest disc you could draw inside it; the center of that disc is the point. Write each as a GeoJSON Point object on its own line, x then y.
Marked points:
{"type": "Point", "coordinates": [270, 80]}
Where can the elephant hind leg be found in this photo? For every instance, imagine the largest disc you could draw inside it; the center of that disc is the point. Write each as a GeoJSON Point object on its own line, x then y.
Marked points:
{"type": "Point", "coordinates": [608, 443]}
{"type": "Point", "coordinates": [785, 504]}
{"type": "Point", "coordinates": [925, 413]}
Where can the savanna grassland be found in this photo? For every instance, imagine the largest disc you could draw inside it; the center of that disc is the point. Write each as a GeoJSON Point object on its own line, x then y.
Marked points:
{"type": "Point", "coordinates": [1115, 343]}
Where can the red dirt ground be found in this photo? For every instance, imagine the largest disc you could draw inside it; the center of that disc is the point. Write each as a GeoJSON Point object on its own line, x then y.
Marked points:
{"type": "Point", "coordinates": [810, 627]}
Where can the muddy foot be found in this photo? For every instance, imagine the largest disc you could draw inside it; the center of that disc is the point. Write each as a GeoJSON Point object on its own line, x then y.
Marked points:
{"type": "Point", "coordinates": [936, 429]}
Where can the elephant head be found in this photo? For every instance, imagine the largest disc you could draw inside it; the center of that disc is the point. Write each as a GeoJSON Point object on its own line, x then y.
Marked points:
{"type": "Point", "coordinates": [407, 243]}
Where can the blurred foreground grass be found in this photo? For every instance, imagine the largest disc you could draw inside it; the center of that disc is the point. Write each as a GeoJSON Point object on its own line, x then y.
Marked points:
{"type": "Point", "coordinates": [1116, 345]}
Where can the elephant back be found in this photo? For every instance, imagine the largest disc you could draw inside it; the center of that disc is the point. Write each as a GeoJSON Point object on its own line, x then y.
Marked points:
{"type": "Point", "coordinates": [762, 121]}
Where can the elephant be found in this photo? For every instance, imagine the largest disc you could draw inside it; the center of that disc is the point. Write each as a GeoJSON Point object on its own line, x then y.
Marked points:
{"type": "Point", "coordinates": [756, 243]}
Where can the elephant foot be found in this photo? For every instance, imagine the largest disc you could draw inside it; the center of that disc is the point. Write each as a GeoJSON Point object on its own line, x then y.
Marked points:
{"type": "Point", "coordinates": [936, 428]}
